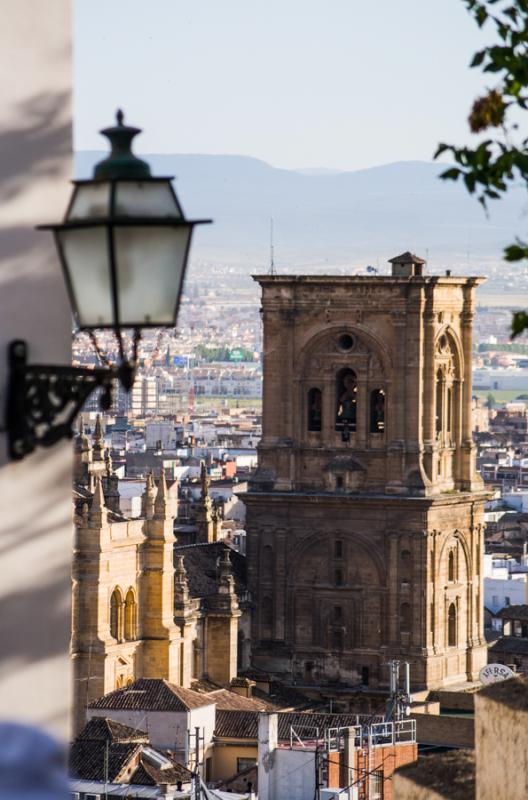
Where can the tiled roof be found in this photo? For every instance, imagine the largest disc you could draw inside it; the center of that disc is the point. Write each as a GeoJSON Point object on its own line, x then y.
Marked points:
{"type": "Point", "coordinates": [226, 699]}
{"type": "Point", "coordinates": [404, 258]}
{"type": "Point", "coordinates": [231, 701]}
{"type": "Point", "coordinates": [94, 760]}
{"type": "Point", "coordinates": [152, 694]}
{"type": "Point", "coordinates": [283, 696]}
{"type": "Point", "coordinates": [105, 729]}
{"type": "Point", "coordinates": [244, 724]}
{"type": "Point", "coordinates": [514, 612]}
{"type": "Point", "coordinates": [200, 563]}
{"type": "Point", "coordinates": [510, 645]}
{"type": "Point", "coordinates": [107, 750]}
{"type": "Point", "coordinates": [148, 775]}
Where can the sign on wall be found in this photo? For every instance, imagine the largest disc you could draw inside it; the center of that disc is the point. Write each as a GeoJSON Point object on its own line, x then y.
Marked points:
{"type": "Point", "coordinates": [493, 673]}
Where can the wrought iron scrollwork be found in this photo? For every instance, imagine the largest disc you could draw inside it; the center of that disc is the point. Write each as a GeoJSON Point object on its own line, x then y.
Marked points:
{"type": "Point", "coordinates": [44, 400]}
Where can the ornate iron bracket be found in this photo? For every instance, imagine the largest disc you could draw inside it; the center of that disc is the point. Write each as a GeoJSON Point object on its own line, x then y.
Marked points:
{"type": "Point", "coordinates": [44, 400]}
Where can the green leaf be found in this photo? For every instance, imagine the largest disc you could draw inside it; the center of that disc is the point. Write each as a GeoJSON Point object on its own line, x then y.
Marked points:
{"type": "Point", "coordinates": [441, 149]}
{"type": "Point", "coordinates": [478, 58]}
{"type": "Point", "coordinates": [451, 174]}
{"type": "Point", "coordinates": [470, 180]}
{"type": "Point", "coordinates": [515, 252]}
{"type": "Point", "coordinates": [481, 16]}
{"type": "Point", "coordinates": [519, 323]}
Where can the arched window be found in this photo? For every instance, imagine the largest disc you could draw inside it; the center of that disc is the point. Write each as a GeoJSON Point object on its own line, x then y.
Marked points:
{"type": "Point", "coordinates": [451, 566]}
{"type": "Point", "coordinates": [377, 411]}
{"type": "Point", "coordinates": [116, 614]}
{"type": "Point", "coordinates": [439, 402]}
{"type": "Point", "coordinates": [451, 626]}
{"type": "Point", "coordinates": [130, 616]}
{"type": "Point", "coordinates": [315, 409]}
{"type": "Point", "coordinates": [405, 617]}
{"type": "Point", "coordinates": [405, 566]}
{"type": "Point", "coordinates": [266, 617]}
{"type": "Point", "coordinates": [346, 400]}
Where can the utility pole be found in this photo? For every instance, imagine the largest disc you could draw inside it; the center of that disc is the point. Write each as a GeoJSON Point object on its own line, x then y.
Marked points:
{"type": "Point", "coordinates": [197, 791]}
{"type": "Point", "coordinates": [106, 760]}
{"type": "Point", "coordinates": [317, 774]}
{"type": "Point", "coordinates": [399, 703]}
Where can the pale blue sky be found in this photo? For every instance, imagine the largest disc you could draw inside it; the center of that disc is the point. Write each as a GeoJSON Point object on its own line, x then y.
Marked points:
{"type": "Point", "coordinates": [298, 83]}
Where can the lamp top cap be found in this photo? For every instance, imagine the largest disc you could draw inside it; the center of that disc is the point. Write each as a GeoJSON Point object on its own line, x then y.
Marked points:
{"type": "Point", "coordinates": [121, 161]}
{"type": "Point", "coordinates": [407, 264]}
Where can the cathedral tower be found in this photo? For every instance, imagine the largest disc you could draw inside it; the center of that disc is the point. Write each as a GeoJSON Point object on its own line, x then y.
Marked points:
{"type": "Point", "coordinates": [365, 514]}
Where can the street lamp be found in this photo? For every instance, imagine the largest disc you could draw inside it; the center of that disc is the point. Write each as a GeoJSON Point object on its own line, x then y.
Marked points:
{"type": "Point", "coordinates": [123, 246]}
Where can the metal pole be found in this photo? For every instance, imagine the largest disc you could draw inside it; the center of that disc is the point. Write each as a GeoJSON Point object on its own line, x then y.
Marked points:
{"type": "Point", "coordinates": [317, 774]}
{"type": "Point", "coordinates": [106, 760]}
{"type": "Point", "coordinates": [197, 764]}
{"type": "Point", "coordinates": [407, 678]}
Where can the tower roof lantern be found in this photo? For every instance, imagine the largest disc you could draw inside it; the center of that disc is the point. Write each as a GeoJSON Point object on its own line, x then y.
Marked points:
{"type": "Point", "coordinates": [407, 264]}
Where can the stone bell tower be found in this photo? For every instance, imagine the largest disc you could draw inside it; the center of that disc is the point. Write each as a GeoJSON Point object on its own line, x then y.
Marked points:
{"type": "Point", "coordinates": [364, 516]}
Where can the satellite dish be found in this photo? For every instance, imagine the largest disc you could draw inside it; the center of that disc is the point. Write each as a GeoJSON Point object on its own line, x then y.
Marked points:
{"type": "Point", "coordinates": [494, 673]}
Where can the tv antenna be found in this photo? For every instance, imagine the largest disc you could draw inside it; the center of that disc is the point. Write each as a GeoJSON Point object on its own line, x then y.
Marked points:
{"type": "Point", "coordinates": [272, 253]}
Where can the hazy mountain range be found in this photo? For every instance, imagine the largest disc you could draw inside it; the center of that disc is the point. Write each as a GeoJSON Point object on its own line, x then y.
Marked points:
{"type": "Point", "coordinates": [322, 217]}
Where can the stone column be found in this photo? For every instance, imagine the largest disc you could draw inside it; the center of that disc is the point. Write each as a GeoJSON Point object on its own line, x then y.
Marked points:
{"type": "Point", "coordinates": [413, 383]}
{"type": "Point", "coordinates": [393, 591]}
{"type": "Point", "coordinates": [468, 460]}
{"type": "Point", "coordinates": [280, 583]}
{"type": "Point", "coordinates": [362, 411]}
{"type": "Point", "coordinates": [429, 427]}
{"type": "Point", "coordinates": [395, 407]}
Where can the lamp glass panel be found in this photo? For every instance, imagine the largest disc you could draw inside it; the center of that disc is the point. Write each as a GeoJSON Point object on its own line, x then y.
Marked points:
{"type": "Point", "coordinates": [150, 268]}
{"type": "Point", "coordinates": [90, 201]}
{"type": "Point", "coordinates": [145, 199]}
{"type": "Point", "coordinates": [85, 251]}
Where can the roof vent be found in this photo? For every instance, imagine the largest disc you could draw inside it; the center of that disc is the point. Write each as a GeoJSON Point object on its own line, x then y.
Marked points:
{"type": "Point", "coordinates": [407, 265]}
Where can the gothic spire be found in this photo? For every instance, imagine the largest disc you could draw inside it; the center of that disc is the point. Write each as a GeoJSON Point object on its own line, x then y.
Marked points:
{"type": "Point", "coordinates": [226, 581]}
{"type": "Point", "coordinates": [204, 480]}
{"type": "Point", "coordinates": [98, 513]}
{"type": "Point", "coordinates": [98, 440]}
{"type": "Point", "coordinates": [161, 506]}
{"type": "Point", "coordinates": [181, 582]}
{"type": "Point", "coordinates": [108, 464]}
{"type": "Point", "coordinates": [149, 497]}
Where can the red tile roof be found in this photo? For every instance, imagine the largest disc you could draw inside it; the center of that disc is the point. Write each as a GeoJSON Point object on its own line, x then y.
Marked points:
{"type": "Point", "coordinates": [152, 694]}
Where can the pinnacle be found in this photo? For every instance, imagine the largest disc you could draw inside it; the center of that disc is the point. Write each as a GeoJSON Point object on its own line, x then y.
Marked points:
{"type": "Point", "coordinates": [98, 502]}
{"type": "Point", "coordinates": [98, 432]}
{"type": "Point", "coordinates": [160, 506]}
{"type": "Point", "coordinates": [98, 509]}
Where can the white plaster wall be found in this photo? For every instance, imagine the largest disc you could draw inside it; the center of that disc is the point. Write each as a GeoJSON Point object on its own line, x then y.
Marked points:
{"type": "Point", "coordinates": [293, 775]}
{"type": "Point", "coordinates": [166, 729]}
{"type": "Point", "coordinates": [516, 589]}
{"type": "Point", "coordinates": [203, 718]}
{"type": "Point", "coordinates": [35, 494]}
